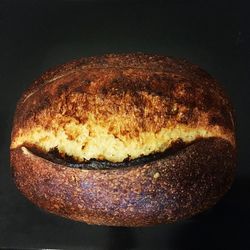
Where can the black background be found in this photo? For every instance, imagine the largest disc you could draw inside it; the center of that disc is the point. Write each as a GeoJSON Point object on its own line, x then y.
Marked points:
{"type": "Point", "coordinates": [37, 35]}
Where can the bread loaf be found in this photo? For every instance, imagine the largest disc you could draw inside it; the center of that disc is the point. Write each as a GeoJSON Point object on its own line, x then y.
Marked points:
{"type": "Point", "coordinates": [124, 140]}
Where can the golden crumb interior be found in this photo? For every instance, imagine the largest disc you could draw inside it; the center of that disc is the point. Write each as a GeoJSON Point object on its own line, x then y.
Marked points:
{"type": "Point", "coordinates": [92, 141]}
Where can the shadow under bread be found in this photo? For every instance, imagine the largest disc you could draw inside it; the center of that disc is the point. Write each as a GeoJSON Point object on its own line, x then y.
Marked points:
{"type": "Point", "coordinates": [221, 227]}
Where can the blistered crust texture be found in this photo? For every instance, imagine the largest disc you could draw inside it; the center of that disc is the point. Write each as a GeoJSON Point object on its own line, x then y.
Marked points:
{"type": "Point", "coordinates": [163, 191]}
{"type": "Point", "coordinates": [137, 104]}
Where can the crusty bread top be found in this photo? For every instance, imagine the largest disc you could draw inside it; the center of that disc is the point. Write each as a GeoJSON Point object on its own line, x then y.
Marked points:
{"type": "Point", "coordinates": [123, 106]}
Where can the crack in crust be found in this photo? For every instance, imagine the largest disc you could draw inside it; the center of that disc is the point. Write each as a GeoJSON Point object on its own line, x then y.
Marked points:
{"type": "Point", "coordinates": [68, 161]}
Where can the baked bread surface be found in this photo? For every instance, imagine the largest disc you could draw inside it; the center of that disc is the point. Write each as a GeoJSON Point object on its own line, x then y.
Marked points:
{"type": "Point", "coordinates": [136, 104]}
{"type": "Point", "coordinates": [118, 108]}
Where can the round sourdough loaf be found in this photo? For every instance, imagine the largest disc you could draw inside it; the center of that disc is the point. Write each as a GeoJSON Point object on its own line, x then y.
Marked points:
{"type": "Point", "coordinates": [124, 140]}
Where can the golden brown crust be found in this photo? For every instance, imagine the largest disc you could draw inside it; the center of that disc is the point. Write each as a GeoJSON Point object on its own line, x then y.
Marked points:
{"type": "Point", "coordinates": [146, 91]}
{"type": "Point", "coordinates": [137, 103]}
{"type": "Point", "coordinates": [161, 191]}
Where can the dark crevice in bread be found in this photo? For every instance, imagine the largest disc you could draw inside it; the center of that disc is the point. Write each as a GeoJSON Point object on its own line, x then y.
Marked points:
{"type": "Point", "coordinates": [66, 160]}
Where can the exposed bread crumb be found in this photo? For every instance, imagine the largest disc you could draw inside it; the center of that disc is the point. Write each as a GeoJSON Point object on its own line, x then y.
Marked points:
{"type": "Point", "coordinates": [156, 175]}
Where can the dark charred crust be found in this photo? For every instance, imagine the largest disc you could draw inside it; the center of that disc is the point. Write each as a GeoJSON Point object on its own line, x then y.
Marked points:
{"type": "Point", "coordinates": [86, 81]}
{"type": "Point", "coordinates": [62, 88]}
{"type": "Point", "coordinates": [78, 90]}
